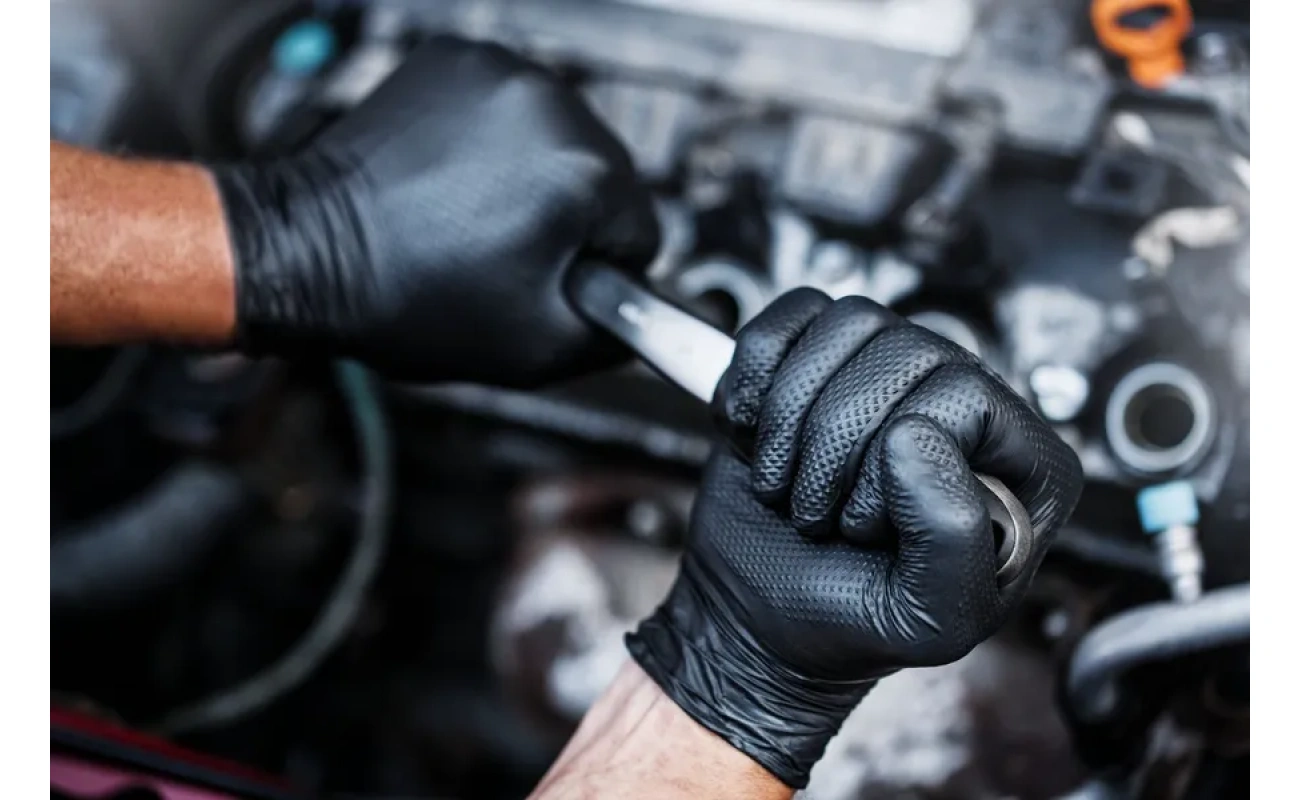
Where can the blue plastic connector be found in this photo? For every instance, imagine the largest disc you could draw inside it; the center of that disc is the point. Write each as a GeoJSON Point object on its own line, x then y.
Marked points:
{"type": "Point", "coordinates": [304, 48]}
{"type": "Point", "coordinates": [1167, 505]}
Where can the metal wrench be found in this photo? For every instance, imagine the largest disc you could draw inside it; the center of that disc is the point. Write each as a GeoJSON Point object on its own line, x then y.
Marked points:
{"type": "Point", "coordinates": [694, 355]}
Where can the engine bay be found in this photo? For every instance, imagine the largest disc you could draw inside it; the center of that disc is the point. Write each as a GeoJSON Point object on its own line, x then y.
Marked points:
{"type": "Point", "coordinates": [382, 589]}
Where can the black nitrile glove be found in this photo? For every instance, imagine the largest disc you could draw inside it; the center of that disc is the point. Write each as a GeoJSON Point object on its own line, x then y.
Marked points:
{"type": "Point", "coordinates": [858, 543]}
{"type": "Point", "coordinates": [427, 232]}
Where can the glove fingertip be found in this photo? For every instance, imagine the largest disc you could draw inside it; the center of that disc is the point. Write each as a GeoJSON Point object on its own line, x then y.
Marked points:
{"type": "Point", "coordinates": [813, 527]}
{"type": "Point", "coordinates": [867, 530]}
{"type": "Point", "coordinates": [766, 492]}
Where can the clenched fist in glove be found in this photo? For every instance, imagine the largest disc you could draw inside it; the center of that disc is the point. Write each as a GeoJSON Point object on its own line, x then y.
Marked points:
{"type": "Point", "coordinates": [427, 232]}
{"type": "Point", "coordinates": [845, 536]}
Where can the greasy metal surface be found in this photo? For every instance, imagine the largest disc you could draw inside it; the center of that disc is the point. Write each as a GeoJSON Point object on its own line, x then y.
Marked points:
{"type": "Point", "coordinates": [694, 355]}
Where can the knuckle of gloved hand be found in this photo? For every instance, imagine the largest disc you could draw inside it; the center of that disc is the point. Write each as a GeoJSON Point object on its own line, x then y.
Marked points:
{"type": "Point", "coordinates": [929, 351]}
{"type": "Point", "coordinates": [785, 318]}
{"type": "Point", "coordinates": [491, 58]}
{"type": "Point", "coordinates": [945, 357]}
{"type": "Point", "coordinates": [952, 512]}
{"type": "Point", "coordinates": [955, 352]}
{"type": "Point", "coordinates": [857, 305]}
{"type": "Point", "coordinates": [759, 341]}
{"type": "Point", "coordinates": [854, 304]}
{"type": "Point", "coordinates": [958, 394]}
{"type": "Point", "coordinates": [976, 380]}
{"type": "Point", "coordinates": [522, 98]}
{"type": "Point", "coordinates": [758, 353]}
{"type": "Point", "coordinates": [573, 181]}
{"type": "Point", "coordinates": [757, 356]}
{"type": "Point", "coordinates": [735, 401]}
{"type": "Point", "coordinates": [995, 392]}
{"type": "Point", "coordinates": [908, 442]}
{"type": "Point", "coordinates": [801, 297]}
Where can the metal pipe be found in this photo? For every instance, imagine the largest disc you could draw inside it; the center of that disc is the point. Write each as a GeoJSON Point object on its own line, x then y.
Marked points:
{"type": "Point", "coordinates": [1149, 633]}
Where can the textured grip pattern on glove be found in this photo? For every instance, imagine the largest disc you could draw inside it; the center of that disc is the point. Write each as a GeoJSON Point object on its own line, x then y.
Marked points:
{"type": "Point", "coordinates": [850, 411]}
{"type": "Point", "coordinates": [946, 551]}
{"type": "Point", "coordinates": [830, 341]}
{"type": "Point", "coordinates": [758, 355]}
{"type": "Point", "coordinates": [752, 695]}
{"type": "Point", "coordinates": [886, 419]}
{"type": "Point", "coordinates": [428, 231]}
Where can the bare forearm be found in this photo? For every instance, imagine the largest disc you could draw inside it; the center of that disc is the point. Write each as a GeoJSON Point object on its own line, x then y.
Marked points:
{"type": "Point", "coordinates": [138, 250]}
{"type": "Point", "coordinates": [636, 743]}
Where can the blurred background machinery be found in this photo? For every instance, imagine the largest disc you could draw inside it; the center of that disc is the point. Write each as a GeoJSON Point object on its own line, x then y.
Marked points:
{"type": "Point", "coordinates": [379, 589]}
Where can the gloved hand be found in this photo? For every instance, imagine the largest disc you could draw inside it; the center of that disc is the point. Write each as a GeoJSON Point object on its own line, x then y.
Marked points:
{"type": "Point", "coordinates": [427, 232]}
{"type": "Point", "coordinates": [858, 542]}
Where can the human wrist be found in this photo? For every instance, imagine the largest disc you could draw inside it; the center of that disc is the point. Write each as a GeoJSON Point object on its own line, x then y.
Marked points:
{"type": "Point", "coordinates": [727, 682]}
{"type": "Point", "coordinates": [636, 742]}
{"type": "Point", "coordinates": [295, 240]}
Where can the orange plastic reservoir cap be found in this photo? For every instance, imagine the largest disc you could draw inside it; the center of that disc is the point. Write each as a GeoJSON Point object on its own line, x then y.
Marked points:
{"type": "Point", "coordinates": [1152, 50]}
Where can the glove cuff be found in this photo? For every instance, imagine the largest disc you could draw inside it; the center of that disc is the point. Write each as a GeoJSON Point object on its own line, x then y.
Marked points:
{"type": "Point", "coordinates": [295, 238]}
{"type": "Point", "coordinates": [722, 678]}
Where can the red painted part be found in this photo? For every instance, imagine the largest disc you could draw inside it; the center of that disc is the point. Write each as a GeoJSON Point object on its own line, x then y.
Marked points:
{"type": "Point", "coordinates": [108, 755]}
{"type": "Point", "coordinates": [80, 778]}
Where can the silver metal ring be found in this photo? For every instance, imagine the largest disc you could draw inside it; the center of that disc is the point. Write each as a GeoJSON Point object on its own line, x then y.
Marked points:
{"type": "Point", "coordinates": [1125, 406]}
{"type": "Point", "coordinates": [1006, 510]}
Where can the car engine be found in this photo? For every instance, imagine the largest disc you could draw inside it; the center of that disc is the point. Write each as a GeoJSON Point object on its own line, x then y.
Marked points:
{"type": "Point", "coordinates": [379, 589]}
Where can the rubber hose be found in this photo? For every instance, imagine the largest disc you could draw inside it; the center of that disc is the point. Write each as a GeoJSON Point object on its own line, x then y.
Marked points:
{"type": "Point", "coordinates": [95, 404]}
{"type": "Point", "coordinates": [1149, 633]}
{"type": "Point", "coordinates": [146, 545]}
{"type": "Point", "coordinates": [340, 611]}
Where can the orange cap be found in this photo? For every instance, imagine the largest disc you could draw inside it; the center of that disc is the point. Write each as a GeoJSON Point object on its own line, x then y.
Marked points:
{"type": "Point", "coordinates": [1153, 53]}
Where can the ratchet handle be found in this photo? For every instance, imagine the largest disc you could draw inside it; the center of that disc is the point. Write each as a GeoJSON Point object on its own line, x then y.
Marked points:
{"type": "Point", "coordinates": [694, 355]}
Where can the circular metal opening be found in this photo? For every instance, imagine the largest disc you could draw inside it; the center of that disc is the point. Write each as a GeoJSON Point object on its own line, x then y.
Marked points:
{"type": "Point", "coordinates": [718, 307]}
{"type": "Point", "coordinates": [724, 292]}
{"type": "Point", "coordinates": [1160, 419]}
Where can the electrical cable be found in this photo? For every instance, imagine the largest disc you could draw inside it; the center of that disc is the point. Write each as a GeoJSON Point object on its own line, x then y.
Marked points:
{"type": "Point", "coordinates": [340, 611]}
{"type": "Point", "coordinates": [101, 398]}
